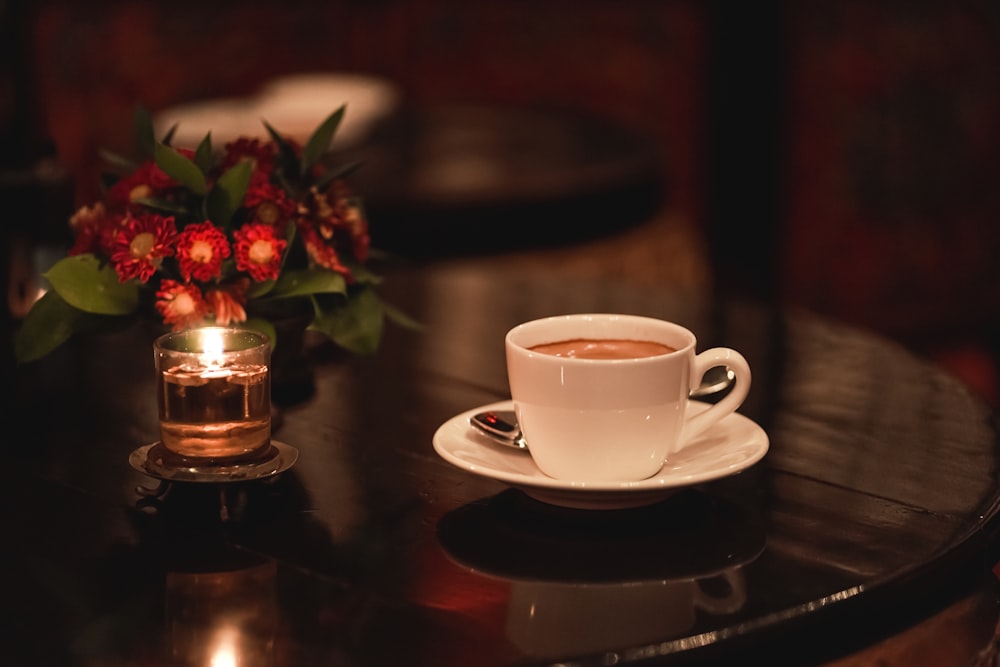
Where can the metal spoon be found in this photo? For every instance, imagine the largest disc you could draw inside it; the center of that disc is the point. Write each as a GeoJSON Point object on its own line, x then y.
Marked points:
{"type": "Point", "coordinates": [501, 425]}
{"type": "Point", "coordinates": [716, 379]}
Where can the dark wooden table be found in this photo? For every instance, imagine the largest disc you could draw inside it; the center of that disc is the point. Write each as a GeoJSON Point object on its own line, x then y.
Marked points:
{"type": "Point", "coordinates": [874, 508]}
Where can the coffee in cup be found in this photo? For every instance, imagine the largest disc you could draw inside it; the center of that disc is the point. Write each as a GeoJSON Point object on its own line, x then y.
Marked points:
{"type": "Point", "coordinates": [602, 397]}
{"type": "Point", "coordinates": [583, 348]}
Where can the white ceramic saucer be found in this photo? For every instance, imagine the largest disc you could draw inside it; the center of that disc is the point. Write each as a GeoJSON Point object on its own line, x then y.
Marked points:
{"type": "Point", "coordinates": [729, 447]}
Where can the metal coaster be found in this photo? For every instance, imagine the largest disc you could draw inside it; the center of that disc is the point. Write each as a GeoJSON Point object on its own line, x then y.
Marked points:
{"type": "Point", "coordinates": [156, 461]}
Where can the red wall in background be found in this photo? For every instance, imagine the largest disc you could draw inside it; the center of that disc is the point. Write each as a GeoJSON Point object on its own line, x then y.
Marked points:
{"type": "Point", "coordinates": [639, 63]}
{"type": "Point", "coordinates": [894, 171]}
{"type": "Point", "coordinates": [886, 192]}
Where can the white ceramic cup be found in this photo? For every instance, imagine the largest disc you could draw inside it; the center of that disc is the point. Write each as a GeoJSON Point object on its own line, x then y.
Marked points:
{"type": "Point", "coordinates": [612, 420]}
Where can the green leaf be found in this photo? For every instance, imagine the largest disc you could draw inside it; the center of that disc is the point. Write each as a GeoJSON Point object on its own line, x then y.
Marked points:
{"type": "Point", "coordinates": [258, 290]}
{"type": "Point", "coordinates": [287, 160]}
{"type": "Point", "coordinates": [203, 154]}
{"type": "Point", "coordinates": [377, 254]}
{"type": "Point", "coordinates": [356, 325]}
{"type": "Point", "coordinates": [144, 137]}
{"type": "Point", "coordinates": [163, 205]}
{"type": "Point", "coordinates": [180, 169]}
{"type": "Point", "coordinates": [336, 172]}
{"type": "Point", "coordinates": [402, 319]}
{"type": "Point", "coordinates": [84, 284]}
{"type": "Point", "coordinates": [319, 142]}
{"type": "Point", "coordinates": [305, 282]}
{"type": "Point", "coordinates": [227, 194]}
{"type": "Point", "coordinates": [362, 274]}
{"type": "Point", "coordinates": [168, 138]}
{"type": "Point", "coordinates": [119, 162]}
{"type": "Point", "coordinates": [50, 323]}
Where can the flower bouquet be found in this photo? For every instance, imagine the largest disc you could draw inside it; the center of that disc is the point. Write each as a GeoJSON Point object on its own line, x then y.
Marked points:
{"type": "Point", "coordinates": [260, 231]}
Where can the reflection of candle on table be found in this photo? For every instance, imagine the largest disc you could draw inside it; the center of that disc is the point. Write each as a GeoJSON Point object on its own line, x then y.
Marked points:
{"type": "Point", "coordinates": [214, 392]}
{"type": "Point", "coordinates": [223, 618]}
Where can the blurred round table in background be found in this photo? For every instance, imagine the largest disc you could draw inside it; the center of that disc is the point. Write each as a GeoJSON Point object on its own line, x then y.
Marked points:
{"type": "Point", "coordinates": [447, 180]}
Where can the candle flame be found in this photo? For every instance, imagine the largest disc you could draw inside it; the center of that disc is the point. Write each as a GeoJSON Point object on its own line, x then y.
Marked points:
{"type": "Point", "coordinates": [212, 348]}
{"type": "Point", "coordinates": [211, 343]}
{"type": "Point", "coordinates": [225, 653]}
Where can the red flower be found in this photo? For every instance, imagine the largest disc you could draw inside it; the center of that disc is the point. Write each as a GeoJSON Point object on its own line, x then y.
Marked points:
{"type": "Point", "coordinates": [227, 303]}
{"type": "Point", "coordinates": [350, 218]}
{"type": "Point", "coordinates": [180, 305]}
{"type": "Point", "coordinates": [258, 251]}
{"type": "Point", "coordinates": [339, 220]}
{"type": "Point", "coordinates": [95, 230]}
{"type": "Point", "coordinates": [262, 154]}
{"type": "Point", "coordinates": [321, 252]}
{"type": "Point", "coordinates": [148, 180]}
{"type": "Point", "coordinates": [268, 203]}
{"type": "Point", "coordinates": [139, 248]}
{"type": "Point", "coordinates": [200, 251]}
{"type": "Point", "coordinates": [357, 228]}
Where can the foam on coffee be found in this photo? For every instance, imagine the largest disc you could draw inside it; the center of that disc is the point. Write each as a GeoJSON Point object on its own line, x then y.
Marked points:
{"type": "Point", "coordinates": [605, 348]}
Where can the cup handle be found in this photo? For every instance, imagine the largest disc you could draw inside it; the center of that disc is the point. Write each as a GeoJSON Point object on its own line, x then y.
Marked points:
{"type": "Point", "coordinates": [734, 361]}
{"type": "Point", "coordinates": [729, 603]}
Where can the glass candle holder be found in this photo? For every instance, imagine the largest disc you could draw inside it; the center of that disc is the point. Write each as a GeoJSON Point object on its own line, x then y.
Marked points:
{"type": "Point", "coordinates": [214, 393]}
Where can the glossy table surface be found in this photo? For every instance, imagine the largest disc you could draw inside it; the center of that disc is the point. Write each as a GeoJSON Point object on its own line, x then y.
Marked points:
{"type": "Point", "coordinates": [875, 505]}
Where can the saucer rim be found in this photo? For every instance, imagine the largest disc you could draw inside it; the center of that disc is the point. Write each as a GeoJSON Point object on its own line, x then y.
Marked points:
{"type": "Point", "coordinates": [664, 482]}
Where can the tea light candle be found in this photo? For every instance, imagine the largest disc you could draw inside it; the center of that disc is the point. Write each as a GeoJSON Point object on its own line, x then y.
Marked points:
{"type": "Point", "coordinates": [213, 349]}
{"type": "Point", "coordinates": [214, 392]}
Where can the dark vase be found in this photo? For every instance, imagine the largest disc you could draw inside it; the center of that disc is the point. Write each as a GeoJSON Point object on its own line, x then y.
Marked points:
{"type": "Point", "coordinates": [292, 377]}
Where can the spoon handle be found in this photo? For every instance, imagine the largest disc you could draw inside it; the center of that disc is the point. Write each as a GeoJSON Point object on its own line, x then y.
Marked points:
{"type": "Point", "coordinates": [500, 425]}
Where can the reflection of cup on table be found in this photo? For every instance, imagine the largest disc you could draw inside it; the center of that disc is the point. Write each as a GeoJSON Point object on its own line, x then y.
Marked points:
{"type": "Point", "coordinates": [214, 392]}
{"type": "Point", "coordinates": [603, 397]}
{"type": "Point", "coordinates": [582, 583]}
{"type": "Point", "coordinates": [553, 619]}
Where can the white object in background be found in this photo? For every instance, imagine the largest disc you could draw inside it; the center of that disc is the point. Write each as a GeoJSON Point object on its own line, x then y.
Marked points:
{"type": "Point", "coordinates": [297, 104]}
{"type": "Point", "coordinates": [225, 118]}
{"type": "Point", "coordinates": [294, 105]}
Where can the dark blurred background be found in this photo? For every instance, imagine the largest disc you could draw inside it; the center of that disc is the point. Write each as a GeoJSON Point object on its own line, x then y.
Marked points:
{"type": "Point", "coordinates": [838, 155]}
